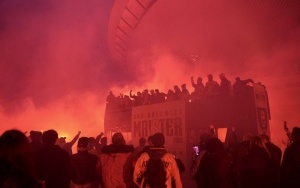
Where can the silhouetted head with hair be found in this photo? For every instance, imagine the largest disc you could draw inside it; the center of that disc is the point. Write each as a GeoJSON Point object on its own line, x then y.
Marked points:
{"type": "Point", "coordinates": [158, 140]}
{"type": "Point", "coordinates": [103, 140]}
{"type": "Point", "coordinates": [83, 142]}
{"type": "Point", "coordinates": [118, 139]}
{"type": "Point", "coordinates": [50, 137]}
{"type": "Point", "coordinates": [16, 149]}
{"type": "Point", "coordinates": [210, 77]}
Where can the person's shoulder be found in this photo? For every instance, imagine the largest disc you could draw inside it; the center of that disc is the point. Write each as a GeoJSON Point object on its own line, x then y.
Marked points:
{"type": "Point", "coordinates": [117, 149]}
{"type": "Point", "coordinates": [169, 156]}
{"type": "Point", "coordinates": [92, 156]}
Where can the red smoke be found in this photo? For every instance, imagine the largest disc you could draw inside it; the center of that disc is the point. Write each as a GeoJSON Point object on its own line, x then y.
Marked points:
{"type": "Point", "coordinates": [56, 71]}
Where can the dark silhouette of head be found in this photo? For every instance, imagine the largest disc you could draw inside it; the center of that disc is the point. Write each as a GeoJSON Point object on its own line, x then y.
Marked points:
{"type": "Point", "coordinates": [50, 137]}
{"type": "Point", "coordinates": [16, 149]}
{"type": "Point", "coordinates": [158, 140]}
{"type": "Point", "coordinates": [36, 136]}
{"type": "Point", "coordinates": [83, 142]}
{"type": "Point", "coordinates": [210, 77]}
{"type": "Point", "coordinates": [103, 140]}
{"type": "Point", "coordinates": [118, 139]}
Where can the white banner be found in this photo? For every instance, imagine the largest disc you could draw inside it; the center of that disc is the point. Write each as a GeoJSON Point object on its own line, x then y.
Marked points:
{"type": "Point", "coordinates": [167, 118]}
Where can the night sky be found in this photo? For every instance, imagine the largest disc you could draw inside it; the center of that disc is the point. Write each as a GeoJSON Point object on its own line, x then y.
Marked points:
{"type": "Point", "coordinates": [56, 70]}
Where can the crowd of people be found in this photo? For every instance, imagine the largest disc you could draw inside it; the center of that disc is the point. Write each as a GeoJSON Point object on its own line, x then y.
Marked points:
{"type": "Point", "coordinates": [45, 160]}
{"type": "Point", "coordinates": [201, 91]}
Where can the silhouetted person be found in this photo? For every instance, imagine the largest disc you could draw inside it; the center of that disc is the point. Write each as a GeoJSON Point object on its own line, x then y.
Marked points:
{"type": "Point", "coordinates": [177, 93]}
{"type": "Point", "coordinates": [36, 140]}
{"type": "Point", "coordinates": [92, 146]}
{"type": "Point", "coordinates": [152, 97]}
{"type": "Point", "coordinates": [256, 168]}
{"type": "Point", "coordinates": [16, 161]}
{"type": "Point", "coordinates": [198, 92]}
{"type": "Point", "coordinates": [240, 85]}
{"type": "Point", "coordinates": [225, 86]}
{"type": "Point", "coordinates": [103, 142]}
{"type": "Point", "coordinates": [160, 96]}
{"type": "Point", "coordinates": [199, 86]}
{"type": "Point", "coordinates": [68, 145]}
{"type": "Point", "coordinates": [216, 166]}
{"type": "Point", "coordinates": [116, 163]}
{"type": "Point", "coordinates": [211, 87]}
{"type": "Point", "coordinates": [137, 99]}
{"type": "Point", "coordinates": [53, 162]}
{"type": "Point", "coordinates": [290, 168]}
{"type": "Point", "coordinates": [196, 172]}
{"type": "Point", "coordinates": [170, 96]}
{"type": "Point", "coordinates": [146, 97]}
{"type": "Point", "coordinates": [84, 166]}
{"type": "Point", "coordinates": [111, 101]}
{"type": "Point", "coordinates": [185, 94]}
{"type": "Point", "coordinates": [276, 155]}
{"type": "Point", "coordinates": [139, 148]}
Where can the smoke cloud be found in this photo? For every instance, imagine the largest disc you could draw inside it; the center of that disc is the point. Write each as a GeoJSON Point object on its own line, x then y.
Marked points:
{"type": "Point", "coordinates": [56, 70]}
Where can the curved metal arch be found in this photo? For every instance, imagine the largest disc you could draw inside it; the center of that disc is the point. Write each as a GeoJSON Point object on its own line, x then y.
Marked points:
{"type": "Point", "coordinates": [124, 19]}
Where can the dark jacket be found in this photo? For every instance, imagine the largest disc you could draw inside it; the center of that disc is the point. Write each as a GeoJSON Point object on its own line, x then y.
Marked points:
{"type": "Point", "coordinates": [290, 168]}
{"type": "Point", "coordinates": [257, 169]}
{"type": "Point", "coordinates": [13, 176]}
{"type": "Point", "coordinates": [84, 167]}
{"type": "Point", "coordinates": [53, 166]}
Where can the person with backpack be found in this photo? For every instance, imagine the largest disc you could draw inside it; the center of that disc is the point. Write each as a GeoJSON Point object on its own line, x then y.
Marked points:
{"type": "Point", "coordinates": [156, 168]}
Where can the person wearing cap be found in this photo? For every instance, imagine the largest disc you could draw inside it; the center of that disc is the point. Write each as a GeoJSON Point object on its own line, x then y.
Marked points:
{"type": "Point", "coordinates": [290, 166]}
{"type": "Point", "coordinates": [157, 150]}
{"type": "Point", "coordinates": [84, 166]}
{"type": "Point", "coordinates": [116, 163]}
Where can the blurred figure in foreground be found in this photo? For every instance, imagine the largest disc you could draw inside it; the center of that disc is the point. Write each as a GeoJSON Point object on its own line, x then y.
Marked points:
{"type": "Point", "coordinates": [16, 161]}
{"type": "Point", "coordinates": [290, 168]}
{"type": "Point", "coordinates": [256, 168]}
{"type": "Point", "coordinates": [53, 163]}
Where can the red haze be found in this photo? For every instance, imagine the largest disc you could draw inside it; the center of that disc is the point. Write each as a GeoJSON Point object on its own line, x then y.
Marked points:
{"type": "Point", "coordinates": [55, 68]}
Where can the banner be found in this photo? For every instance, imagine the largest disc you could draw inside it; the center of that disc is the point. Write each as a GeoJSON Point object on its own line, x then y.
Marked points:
{"type": "Point", "coordinates": [262, 108]}
{"type": "Point", "coordinates": [167, 118]}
